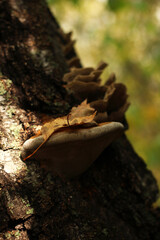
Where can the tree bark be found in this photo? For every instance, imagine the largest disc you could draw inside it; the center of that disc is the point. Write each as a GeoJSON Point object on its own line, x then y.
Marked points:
{"type": "Point", "coordinates": [31, 36]}
{"type": "Point", "coordinates": [113, 199]}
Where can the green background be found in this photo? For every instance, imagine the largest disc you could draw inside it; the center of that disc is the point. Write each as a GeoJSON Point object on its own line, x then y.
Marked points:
{"type": "Point", "coordinates": [125, 34]}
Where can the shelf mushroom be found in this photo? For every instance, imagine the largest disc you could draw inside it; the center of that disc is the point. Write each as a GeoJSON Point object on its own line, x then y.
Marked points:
{"type": "Point", "coordinates": [71, 152]}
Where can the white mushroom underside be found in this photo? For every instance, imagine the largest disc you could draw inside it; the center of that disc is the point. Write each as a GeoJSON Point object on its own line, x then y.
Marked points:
{"type": "Point", "coordinates": [71, 152]}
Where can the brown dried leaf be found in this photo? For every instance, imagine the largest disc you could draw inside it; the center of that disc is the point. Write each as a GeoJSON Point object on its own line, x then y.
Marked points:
{"type": "Point", "coordinates": [83, 110]}
{"type": "Point", "coordinates": [81, 115]}
{"type": "Point", "coordinates": [52, 126]}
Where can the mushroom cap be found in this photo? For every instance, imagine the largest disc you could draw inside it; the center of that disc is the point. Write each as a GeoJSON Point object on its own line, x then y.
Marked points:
{"type": "Point", "coordinates": [70, 153]}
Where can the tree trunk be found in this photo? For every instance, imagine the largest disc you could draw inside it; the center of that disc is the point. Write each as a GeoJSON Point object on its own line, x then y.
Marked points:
{"type": "Point", "coordinates": [33, 55]}
{"type": "Point", "coordinates": [113, 199]}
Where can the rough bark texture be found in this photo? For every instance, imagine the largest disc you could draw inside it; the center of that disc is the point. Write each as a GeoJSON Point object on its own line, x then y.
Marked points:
{"type": "Point", "coordinates": [112, 200]}
{"type": "Point", "coordinates": [31, 54]}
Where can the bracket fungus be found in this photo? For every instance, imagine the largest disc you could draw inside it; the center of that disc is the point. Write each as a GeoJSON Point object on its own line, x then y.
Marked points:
{"type": "Point", "coordinates": [69, 145]}
{"type": "Point", "coordinates": [109, 100]}
{"type": "Point", "coordinates": [70, 153]}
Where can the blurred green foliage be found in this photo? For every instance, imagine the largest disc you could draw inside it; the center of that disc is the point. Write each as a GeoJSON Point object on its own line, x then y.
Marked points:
{"type": "Point", "coordinates": [126, 34]}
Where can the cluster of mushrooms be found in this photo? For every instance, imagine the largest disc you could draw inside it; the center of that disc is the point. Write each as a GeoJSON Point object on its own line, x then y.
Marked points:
{"type": "Point", "coordinates": [71, 152]}
{"type": "Point", "coordinates": [109, 100]}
